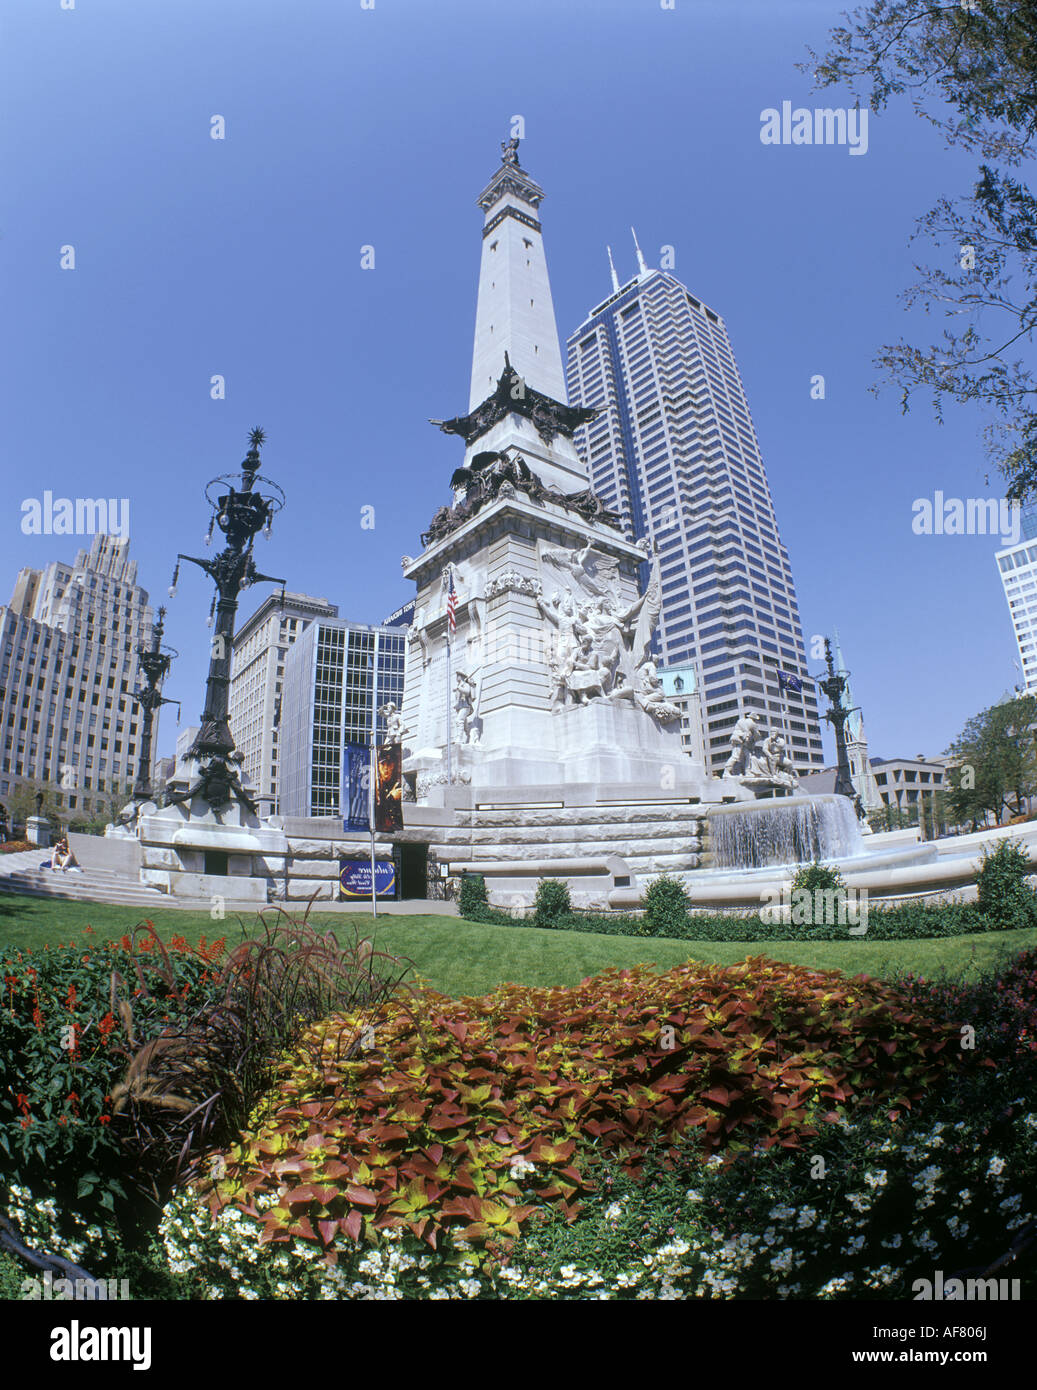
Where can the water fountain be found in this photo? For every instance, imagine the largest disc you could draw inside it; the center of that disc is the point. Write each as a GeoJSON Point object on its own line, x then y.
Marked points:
{"type": "Point", "coordinates": [755, 847]}
{"type": "Point", "coordinates": [788, 830]}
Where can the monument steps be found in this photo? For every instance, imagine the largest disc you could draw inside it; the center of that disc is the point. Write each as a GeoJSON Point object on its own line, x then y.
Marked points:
{"type": "Point", "coordinates": [92, 885]}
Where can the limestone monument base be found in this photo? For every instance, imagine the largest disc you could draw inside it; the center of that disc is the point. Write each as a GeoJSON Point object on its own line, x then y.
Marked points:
{"type": "Point", "coordinates": [191, 850]}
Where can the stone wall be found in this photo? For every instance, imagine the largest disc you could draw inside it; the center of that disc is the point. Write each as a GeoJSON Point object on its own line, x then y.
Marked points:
{"type": "Point", "coordinates": [594, 847]}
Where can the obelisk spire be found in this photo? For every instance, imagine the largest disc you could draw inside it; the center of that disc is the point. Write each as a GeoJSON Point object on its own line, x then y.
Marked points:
{"type": "Point", "coordinates": [515, 312]}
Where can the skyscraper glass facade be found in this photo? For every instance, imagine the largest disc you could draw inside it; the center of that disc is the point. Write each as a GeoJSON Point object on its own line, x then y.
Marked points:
{"type": "Point", "coordinates": [673, 447]}
{"type": "Point", "coordinates": [326, 705]}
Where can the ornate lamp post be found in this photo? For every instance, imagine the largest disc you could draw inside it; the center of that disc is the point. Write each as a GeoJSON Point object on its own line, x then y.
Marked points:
{"type": "Point", "coordinates": [833, 685]}
{"type": "Point", "coordinates": [154, 662]}
{"type": "Point", "coordinates": [241, 512]}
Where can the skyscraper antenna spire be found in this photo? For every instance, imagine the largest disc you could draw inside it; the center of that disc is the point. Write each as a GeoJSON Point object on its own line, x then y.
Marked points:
{"type": "Point", "coordinates": [641, 267]}
{"type": "Point", "coordinates": [612, 269]}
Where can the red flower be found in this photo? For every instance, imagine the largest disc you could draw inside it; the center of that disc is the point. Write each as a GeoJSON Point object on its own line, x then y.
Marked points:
{"type": "Point", "coordinates": [22, 1102]}
{"type": "Point", "coordinates": [105, 1120]}
{"type": "Point", "coordinates": [37, 1017]}
{"type": "Point", "coordinates": [105, 1027]}
{"type": "Point", "coordinates": [70, 998]}
{"type": "Point", "coordinates": [89, 929]}
{"type": "Point", "coordinates": [25, 1123]}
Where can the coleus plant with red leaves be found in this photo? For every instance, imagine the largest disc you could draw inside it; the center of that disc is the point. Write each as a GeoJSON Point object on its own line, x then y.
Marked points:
{"type": "Point", "coordinates": [469, 1115]}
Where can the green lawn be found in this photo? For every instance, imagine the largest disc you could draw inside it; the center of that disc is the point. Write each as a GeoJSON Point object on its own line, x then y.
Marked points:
{"type": "Point", "coordinates": [459, 957]}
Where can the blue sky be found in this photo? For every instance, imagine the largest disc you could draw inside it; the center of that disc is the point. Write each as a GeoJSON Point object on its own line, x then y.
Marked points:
{"type": "Point", "coordinates": [348, 127]}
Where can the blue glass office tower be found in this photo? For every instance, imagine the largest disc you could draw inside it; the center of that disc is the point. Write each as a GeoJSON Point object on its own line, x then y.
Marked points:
{"type": "Point", "coordinates": [673, 446]}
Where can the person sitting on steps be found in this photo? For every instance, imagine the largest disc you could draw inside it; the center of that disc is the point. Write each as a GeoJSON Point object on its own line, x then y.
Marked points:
{"type": "Point", "coordinates": [63, 858]}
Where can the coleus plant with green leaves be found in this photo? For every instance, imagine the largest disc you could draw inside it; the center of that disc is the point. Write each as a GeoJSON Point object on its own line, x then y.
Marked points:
{"type": "Point", "coordinates": [471, 1115]}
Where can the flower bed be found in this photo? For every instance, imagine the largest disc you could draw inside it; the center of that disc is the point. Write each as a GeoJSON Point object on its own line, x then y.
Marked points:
{"type": "Point", "coordinates": [469, 1122]}
{"type": "Point", "coordinates": [63, 1051]}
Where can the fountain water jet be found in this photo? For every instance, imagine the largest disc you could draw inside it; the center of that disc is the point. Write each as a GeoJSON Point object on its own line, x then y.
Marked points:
{"type": "Point", "coordinates": [788, 830]}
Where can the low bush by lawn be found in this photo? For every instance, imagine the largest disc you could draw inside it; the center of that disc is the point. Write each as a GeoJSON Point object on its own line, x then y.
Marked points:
{"type": "Point", "coordinates": [819, 907]}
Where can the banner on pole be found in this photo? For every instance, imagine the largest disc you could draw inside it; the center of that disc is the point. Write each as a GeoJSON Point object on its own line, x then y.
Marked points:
{"type": "Point", "coordinates": [356, 787]}
{"type": "Point", "coordinates": [388, 788]}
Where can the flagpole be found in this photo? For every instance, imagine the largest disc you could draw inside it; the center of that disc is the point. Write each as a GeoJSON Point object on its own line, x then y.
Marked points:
{"type": "Point", "coordinates": [374, 771]}
{"type": "Point", "coordinates": [449, 692]}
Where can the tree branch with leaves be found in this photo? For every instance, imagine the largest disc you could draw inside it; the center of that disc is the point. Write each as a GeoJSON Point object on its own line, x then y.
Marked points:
{"type": "Point", "coordinates": [969, 68]}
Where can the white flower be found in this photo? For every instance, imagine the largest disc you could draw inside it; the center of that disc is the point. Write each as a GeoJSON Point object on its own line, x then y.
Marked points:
{"type": "Point", "coordinates": [807, 1217]}
{"type": "Point", "coordinates": [836, 1286]}
{"type": "Point", "coordinates": [997, 1167]}
{"type": "Point", "coordinates": [876, 1179]}
{"type": "Point", "coordinates": [614, 1212]}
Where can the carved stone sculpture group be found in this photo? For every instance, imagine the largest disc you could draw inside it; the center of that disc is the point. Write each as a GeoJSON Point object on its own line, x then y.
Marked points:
{"type": "Point", "coordinates": [758, 761]}
{"type": "Point", "coordinates": [601, 648]}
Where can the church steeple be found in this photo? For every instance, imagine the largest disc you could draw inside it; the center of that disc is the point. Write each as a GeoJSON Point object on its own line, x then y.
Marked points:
{"type": "Point", "coordinates": [515, 312]}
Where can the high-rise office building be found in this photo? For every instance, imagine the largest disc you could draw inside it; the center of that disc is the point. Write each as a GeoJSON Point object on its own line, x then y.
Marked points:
{"type": "Point", "coordinates": [68, 663]}
{"type": "Point", "coordinates": [326, 705]}
{"type": "Point", "coordinates": [673, 447]}
{"type": "Point", "coordinates": [257, 672]}
{"type": "Point", "coordinates": [1018, 566]}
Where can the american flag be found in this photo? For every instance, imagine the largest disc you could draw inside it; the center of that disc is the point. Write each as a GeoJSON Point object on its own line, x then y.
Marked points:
{"type": "Point", "coordinates": [451, 606]}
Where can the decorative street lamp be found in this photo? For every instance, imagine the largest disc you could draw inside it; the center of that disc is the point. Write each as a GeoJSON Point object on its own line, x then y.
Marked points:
{"type": "Point", "coordinates": [154, 662]}
{"type": "Point", "coordinates": [833, 686]}
{"type": "Point", "coordinates": [240, 513]}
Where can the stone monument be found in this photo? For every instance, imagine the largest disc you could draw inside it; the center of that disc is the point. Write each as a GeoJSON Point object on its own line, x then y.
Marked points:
{"type": "Point", "coordinates": [531, 691]}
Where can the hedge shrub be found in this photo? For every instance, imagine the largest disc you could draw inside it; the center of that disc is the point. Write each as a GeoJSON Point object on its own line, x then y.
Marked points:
{"type": "Point", "coordinates": [552, 902]}
{"type": "Point", "coordinates": [666, 906]}
{"type": "Point", "coordinates": [1004, 898]}
{"type": "Point", "coordinates": [472, 901]}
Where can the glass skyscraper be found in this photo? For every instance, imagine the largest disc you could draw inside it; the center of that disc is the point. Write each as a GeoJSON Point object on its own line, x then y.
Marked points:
{"type": "Point", "coordinates": [1018, 566]}
{"type": "Point", "coordinates": [674, 449]}
{"type": "Point", "coordinates": [326, 705]}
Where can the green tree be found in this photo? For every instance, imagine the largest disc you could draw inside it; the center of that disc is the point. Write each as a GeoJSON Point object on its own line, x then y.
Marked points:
{"type": "Point", "coordinates": [21, 803]}
{"type": "Point", "coordinates": [969, 67]}
{"type": "Point", "coordinates": [993, 760]}
{"type": "Point", "coordinates": [888, 817]}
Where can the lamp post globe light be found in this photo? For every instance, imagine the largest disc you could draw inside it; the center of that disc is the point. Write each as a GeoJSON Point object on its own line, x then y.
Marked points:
{"type": "Point", "coordinates": [241, 509]}
{"type": "Point", "coordinates": [154, 662]}
{"type": "Point", "coordinates": [833, 684]}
